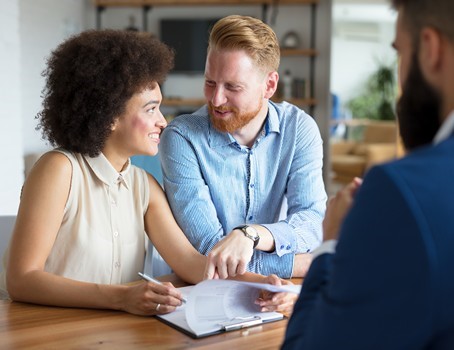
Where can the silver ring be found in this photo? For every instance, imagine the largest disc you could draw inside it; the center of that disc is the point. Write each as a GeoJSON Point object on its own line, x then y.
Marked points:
{"type": "Point", "coordinates": [157, 307]}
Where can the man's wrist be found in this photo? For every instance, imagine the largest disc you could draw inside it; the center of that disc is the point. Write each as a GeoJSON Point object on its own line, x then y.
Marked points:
{"type": "Point", "coordinates": [249, 232]}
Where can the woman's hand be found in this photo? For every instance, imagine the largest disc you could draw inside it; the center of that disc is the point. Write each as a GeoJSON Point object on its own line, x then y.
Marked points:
{"type": "Point", "coordinates": [148, 298]}
{"type": "Point", "coordinates": [281, 302]}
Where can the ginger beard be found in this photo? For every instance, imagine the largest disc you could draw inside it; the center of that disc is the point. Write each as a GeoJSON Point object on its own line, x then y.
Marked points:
{"type": "Point", "coordinates": [236, 121]}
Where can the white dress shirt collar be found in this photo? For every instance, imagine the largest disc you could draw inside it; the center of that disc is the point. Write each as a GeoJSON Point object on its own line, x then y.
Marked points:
{"type": "Point", "coordinates": [445, 130]}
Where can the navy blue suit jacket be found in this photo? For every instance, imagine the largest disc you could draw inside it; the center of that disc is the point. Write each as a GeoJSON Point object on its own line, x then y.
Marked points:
{"type": "Point", "coordinates": [390, 284]}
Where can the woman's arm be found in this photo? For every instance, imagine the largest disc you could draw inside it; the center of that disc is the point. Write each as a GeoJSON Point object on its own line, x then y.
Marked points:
{"type": "Point", "coordinates": [169, 239]}
{"type": "Point", "coordinates": [43, 200]}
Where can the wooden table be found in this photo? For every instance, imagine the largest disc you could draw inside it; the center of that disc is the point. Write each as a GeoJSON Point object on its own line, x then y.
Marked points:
{"type": "Point", "coordinates": [27, 326]}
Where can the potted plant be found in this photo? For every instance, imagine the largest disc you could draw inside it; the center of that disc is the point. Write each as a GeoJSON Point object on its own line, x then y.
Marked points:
{"type": "Point", "coordinates": [378, 99]}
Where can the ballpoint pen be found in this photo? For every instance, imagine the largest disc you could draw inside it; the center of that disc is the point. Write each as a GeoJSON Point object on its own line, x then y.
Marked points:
{"type": "Point", "coordinates": [151, 279]}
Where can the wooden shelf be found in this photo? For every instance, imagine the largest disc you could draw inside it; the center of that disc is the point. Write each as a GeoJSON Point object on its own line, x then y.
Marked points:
{"type": "Point", "coordinates": [178, 102]}
{"type": "Point", "coordinates": [138, 3]}
{"type": "Point", "coordinates": [298, 52]}
{"type": "Point", "coordinates": [300, 102]}
{"type": "Point", "coordinates": [310, 52]}
{"type": "Point", "coordinates": [198, 102]}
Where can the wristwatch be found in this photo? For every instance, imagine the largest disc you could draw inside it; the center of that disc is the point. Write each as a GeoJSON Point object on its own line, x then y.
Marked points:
{"type": "Point", "coordinates": [250, 233]}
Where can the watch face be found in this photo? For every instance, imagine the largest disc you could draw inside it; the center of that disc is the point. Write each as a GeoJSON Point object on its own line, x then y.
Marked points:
{"type": "Point", "coordinates": [251, 231]}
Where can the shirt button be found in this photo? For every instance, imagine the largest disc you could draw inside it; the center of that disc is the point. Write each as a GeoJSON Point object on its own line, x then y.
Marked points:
{"type": "Point", "coordinates": [251, 185]}
{"type": "Point", "coordinates": [251, 217]}
{"type": "Point", "coordinates": [117, 264]}
{"type": "Point", "coordinates": [288, 247]}
{"type": "Point", "coordinates": [116, 234]}
{"type": "Point", "coordinates": [282, 246]}
{"type": "Point", "coordinates": [113, 202]}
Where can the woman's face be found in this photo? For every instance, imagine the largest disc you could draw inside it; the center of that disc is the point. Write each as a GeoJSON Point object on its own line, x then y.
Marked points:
{"type": "Point", "coordinates": [137, 131]}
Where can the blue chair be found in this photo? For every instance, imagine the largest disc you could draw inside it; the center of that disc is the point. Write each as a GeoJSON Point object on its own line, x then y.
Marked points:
{"type": "Point", "coordinates": [154, 264]}
{"type": "Point", "coordinates": [151, 165]}
{"type": "Point", "coordinates": [6, 229]}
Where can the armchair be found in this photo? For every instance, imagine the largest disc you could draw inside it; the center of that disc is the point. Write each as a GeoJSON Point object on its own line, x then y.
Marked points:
{"type": "Point", "coordinates": [351, 159]}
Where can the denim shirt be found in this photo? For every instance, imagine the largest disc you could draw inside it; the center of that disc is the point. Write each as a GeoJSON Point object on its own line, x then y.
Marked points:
{"type": "Point", "coordinates": [214, 184]}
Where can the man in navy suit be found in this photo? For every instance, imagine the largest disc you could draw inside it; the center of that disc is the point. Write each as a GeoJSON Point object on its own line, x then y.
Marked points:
{"type": "Point", "coordinates": [389, 281]}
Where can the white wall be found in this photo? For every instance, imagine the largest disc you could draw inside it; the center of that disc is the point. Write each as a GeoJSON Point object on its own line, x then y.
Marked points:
{"type": "Point", "coordinates": [29, 30]}
{"type": "Point", "coordinates": [43, 25]}
{"type": "Point", "coordinates": [11, 147]}
{"type": "Point", "coordinates": [362, 37]}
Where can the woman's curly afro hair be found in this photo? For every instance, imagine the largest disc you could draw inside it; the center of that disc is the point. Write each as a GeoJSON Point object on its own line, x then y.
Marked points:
{"type": "Point", "coordinates": [89, 79]}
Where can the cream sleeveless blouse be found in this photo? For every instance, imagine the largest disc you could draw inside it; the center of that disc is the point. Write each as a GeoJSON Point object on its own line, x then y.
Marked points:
{"type": "Point", "coordinates": [102, 237]}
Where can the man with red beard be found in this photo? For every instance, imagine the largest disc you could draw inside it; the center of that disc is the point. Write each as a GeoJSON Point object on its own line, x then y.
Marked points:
{"type": "Point", "coordinates": [228, 166]}
{"type": "Point", "coordinates": [387, 283]}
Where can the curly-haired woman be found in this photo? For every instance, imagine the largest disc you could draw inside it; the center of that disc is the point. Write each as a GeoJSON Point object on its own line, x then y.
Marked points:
{"type": "Point", "coordinates": [85, 211]}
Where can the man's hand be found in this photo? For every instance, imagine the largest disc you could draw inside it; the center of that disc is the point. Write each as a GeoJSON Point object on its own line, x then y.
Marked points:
{"type": "Point", "coordinates": [282, 302]}
{"type": "Point", "coordinates": [338, 208]}
{"type": "Point", "coordinates": [230, 256]}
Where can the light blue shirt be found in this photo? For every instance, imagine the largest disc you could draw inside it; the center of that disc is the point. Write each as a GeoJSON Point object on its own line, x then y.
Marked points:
{"type": "Point", "coordinates": [214, 184]}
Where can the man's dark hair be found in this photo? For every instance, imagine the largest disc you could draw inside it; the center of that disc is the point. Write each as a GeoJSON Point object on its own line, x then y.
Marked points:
{"type": "Point", "coordinates": [418, 107]}
{"type": "Point", "coordinates": [421, 13]}
{"type": "Point", "coordinates": [89, 79]}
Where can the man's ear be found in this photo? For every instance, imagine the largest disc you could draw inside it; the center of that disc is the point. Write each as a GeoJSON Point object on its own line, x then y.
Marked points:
{"type": "Point", "coordinates": [271, 81]}
{"type": "Point", "coordinates": [431, 52]}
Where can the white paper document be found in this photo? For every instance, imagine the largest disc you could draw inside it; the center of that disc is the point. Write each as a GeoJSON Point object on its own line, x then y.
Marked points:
{"type": "Point", "coordinates": [215, 306]}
